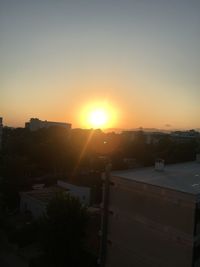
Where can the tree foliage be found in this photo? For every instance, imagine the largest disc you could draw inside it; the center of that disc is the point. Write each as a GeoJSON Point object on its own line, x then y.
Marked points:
{"type": "Point", "coordinates": [63, 232]}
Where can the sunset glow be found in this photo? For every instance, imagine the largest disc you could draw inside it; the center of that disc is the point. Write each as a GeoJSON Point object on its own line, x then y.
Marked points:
{"type": "Point", "coordinates": [98, 118]}
{"type": "Point", "coordinates": [62, 60]}
{"type": "Point", "coordinates": [98, 115]}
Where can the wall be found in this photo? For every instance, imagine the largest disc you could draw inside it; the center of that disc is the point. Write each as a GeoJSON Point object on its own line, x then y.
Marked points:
{"type": "Point", "coordinates": [36, 207]}
{"type": "Point", "coordinates": [82, 192]}
{"type": "Point", "coordinates": [149, 226]}
{"type": "Point", "coordinates": [36, 124]}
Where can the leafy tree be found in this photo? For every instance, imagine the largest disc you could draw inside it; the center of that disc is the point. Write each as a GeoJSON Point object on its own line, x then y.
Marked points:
{"type": "Point", "coordinates": [63, 232]}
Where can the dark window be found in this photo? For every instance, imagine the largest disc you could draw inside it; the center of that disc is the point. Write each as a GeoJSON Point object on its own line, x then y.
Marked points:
{"type": "Point", "coordinates": [198, 215]}
{"type": "Point", "coordinates": [196, 252]}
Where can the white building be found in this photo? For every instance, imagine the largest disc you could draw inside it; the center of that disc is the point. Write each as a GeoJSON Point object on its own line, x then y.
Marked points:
{"type": "Point", "coordinates": [36, 201]}
{"type": "Point", "coordinates": [35, 124]}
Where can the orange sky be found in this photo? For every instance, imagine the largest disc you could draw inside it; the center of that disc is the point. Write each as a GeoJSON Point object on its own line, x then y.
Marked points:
{"type": "Point", "coordinates": [140, 57]}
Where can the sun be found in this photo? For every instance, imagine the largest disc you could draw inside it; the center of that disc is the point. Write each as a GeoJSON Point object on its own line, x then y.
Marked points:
{"type": "Point", "coordinates": [98, 115]}
{"type": "Point", "coordinates": [98, 118]}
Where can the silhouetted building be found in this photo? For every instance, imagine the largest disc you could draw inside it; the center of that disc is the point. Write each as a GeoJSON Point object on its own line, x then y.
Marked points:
{"type": "Point", "coordinates": [35, 124]}
{"type": "Point", "coordinates": [154, 137]}
{"type": "Point", "coordinates": [184, 136]}
{"type": "Point", "coordinates": [152, 217]}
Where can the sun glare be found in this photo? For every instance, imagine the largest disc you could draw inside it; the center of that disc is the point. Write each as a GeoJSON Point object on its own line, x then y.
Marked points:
{"type": "Point", "coordinates": [98, 118]}
{"type": "Point", "coordinates": [98, 115]}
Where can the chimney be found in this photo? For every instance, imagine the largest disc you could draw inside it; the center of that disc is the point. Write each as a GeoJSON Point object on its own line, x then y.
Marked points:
{"type": "Point", "coordinates": [159, 165]}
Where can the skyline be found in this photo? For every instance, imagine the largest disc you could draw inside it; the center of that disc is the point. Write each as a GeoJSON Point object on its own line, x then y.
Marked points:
{"type": "Point", "coordinates": [141, 58]}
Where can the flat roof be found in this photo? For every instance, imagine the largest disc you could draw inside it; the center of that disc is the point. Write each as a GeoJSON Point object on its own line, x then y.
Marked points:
{"type": "Point", "coordinates": [184, 177]}
{"type": "Point", "coordinates": [44, 194]}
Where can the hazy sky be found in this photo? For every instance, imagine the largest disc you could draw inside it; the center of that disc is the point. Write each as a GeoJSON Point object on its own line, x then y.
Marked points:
{"type": "Point", "coordinates": [140, 56]}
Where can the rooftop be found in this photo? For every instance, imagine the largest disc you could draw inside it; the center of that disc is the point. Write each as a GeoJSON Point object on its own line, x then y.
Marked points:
{"type": "Point", "coordinates": [184, 177]}
{"type": "Point", "coordinates": [44, 194]}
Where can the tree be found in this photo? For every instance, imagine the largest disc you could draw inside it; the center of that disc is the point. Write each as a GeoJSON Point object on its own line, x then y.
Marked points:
{"type": "Point", "coordinates": [63, 230]}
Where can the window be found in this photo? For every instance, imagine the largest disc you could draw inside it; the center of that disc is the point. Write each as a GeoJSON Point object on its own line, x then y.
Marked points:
{"type": "Point", "coordinates": [197, 252]}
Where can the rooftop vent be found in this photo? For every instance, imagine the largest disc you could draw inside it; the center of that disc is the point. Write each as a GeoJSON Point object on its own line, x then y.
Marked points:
{"type": "Point", "coordinates": [159, 165]}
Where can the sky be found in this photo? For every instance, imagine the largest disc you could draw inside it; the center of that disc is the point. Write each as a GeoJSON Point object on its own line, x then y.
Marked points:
{"type": "Point", "coordinates": [140, 57]}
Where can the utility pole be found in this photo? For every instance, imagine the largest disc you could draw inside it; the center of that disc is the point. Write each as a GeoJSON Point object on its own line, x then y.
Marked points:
{"type": "Point", "coordinates": [105, 213]}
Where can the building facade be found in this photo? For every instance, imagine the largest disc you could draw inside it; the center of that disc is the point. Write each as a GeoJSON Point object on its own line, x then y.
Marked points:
{"type": "Point", "coordinates": [153, 218]}
{"type": "Point", "coordinates": [83, 193]}
{"type": "Point", "coordinates": [36, 201]}
{"type": "Point", "coordinates": [35, 124]}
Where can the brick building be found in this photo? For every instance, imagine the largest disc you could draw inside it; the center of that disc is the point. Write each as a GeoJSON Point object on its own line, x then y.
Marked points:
{"type": "Point", "coordinates": [152, 218]}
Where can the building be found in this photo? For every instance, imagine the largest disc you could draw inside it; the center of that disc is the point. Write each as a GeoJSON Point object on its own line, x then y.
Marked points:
{"type": "Point", "coordinates": [151, 217]}
{"type": "Point", "coordinates": [184, 136]}
{"type": "Point", "coordinates": [146, 136]}
{"type": "Point", "coordinates": [154, 137]}
{"type": "Point", "coordinates": [35, 124]}
{"type": "Point", "coordinates": [81, 192]}
{"type": "Point", "coordinates": [36, 200]}
{"type": "Point", "coordinates": [1, 131]}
